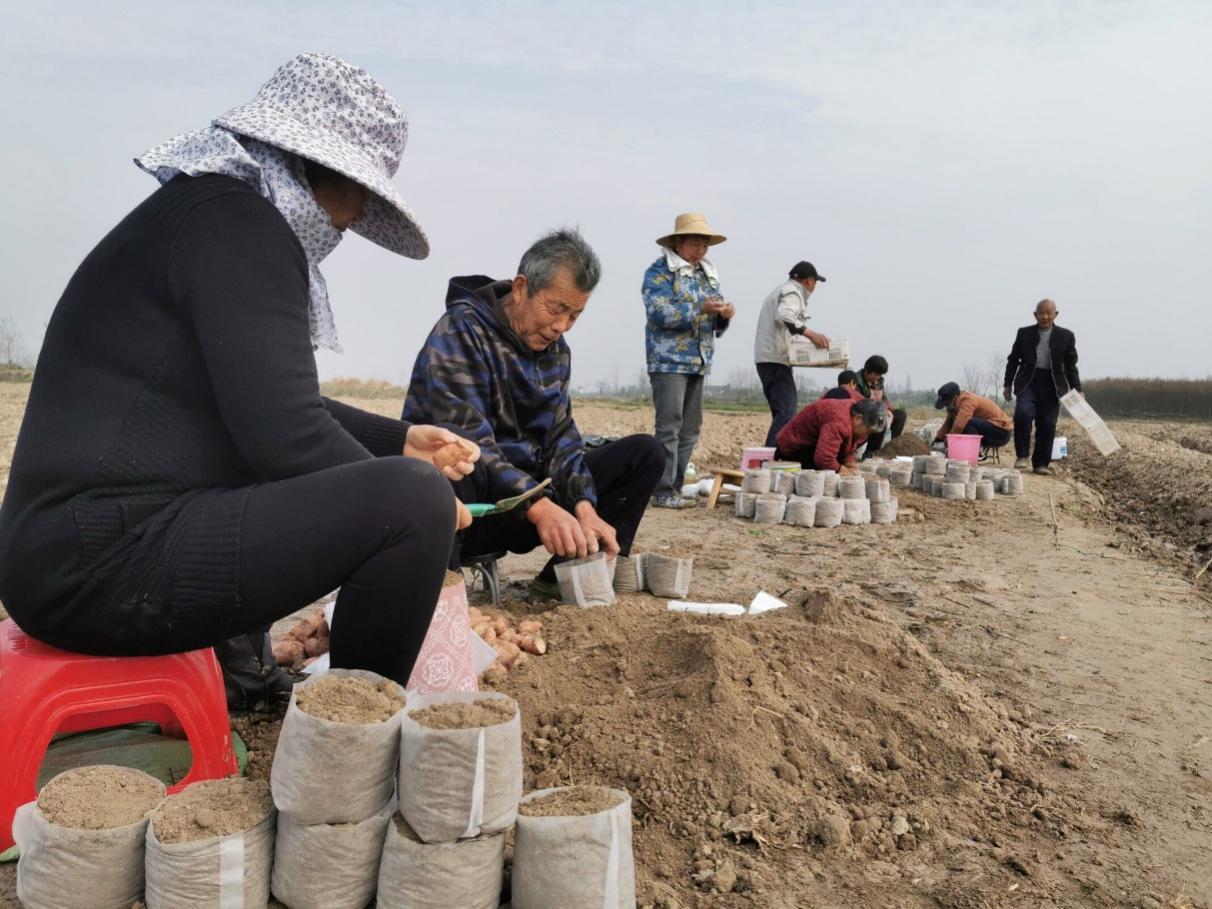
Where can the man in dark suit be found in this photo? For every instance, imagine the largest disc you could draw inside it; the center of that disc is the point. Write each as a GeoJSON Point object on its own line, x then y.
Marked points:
{"type": "Point", "coordinates": [1041, 369]}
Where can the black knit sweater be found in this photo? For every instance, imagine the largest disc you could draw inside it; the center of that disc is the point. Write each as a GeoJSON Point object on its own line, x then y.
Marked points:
{"type": "Point", "coordinates": [177, 364]}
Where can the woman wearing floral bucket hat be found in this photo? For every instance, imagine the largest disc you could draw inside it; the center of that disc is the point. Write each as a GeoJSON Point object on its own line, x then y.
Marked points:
{"type": "Point", "coordinates": [685, 314]}
{"type": "Point", "coordinates": [178, 480]}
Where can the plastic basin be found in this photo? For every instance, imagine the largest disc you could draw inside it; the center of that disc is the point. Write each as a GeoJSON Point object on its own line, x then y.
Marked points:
{"type": "Point", "coordinates": [963, 447]}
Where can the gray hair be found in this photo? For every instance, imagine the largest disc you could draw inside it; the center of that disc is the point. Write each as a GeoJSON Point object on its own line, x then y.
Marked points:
{"type": "Point", "coordinates": [564, 248]}
{"type": "Point", "coordinates": [874, 413]}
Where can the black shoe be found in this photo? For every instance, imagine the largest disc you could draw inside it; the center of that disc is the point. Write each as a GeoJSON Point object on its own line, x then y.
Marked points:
{"type": "Point", "coordinates": [251, 676]}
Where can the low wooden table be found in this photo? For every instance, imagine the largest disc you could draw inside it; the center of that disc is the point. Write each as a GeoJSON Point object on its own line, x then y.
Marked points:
{"type": "Point", "coordinates": [721, 474]}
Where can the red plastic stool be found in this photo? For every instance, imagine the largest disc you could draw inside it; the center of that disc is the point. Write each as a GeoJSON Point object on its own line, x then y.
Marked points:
{"type": "Point", "coordinates": [44, 691]}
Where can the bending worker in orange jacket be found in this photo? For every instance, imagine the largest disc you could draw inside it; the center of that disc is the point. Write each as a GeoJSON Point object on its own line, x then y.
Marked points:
{"type": "Point", "coordinates": [970, 413]}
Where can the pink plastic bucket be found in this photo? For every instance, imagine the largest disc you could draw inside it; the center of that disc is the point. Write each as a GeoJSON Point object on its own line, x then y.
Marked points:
{"type": "Point", "coordinates": [755, 457]}
{"type": "Point", "coordinates": [961, 447]}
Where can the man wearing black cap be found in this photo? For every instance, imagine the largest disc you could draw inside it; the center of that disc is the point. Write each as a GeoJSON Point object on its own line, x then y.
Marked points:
{"type": "Point", "coordinates": [973, 415]}
{"type": "Point", "coordinates": [784, 313]}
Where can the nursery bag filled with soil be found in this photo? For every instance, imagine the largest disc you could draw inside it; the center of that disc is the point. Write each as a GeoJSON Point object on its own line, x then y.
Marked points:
{"type": "Point", "coordinates": [81, 842]}
{"type": "Point", "coordinates": [586, 582]}
{"type": "Point", "coordinates": [466, 874]}
{"type": "Point", "coordinates": [336, 757]}
{"type": "Point", "coordinates": [460, 765]}
{"type": "Point", "coordinates": [328, 866]}
{"type": "Point", "coordinates": [211, 844]}
{"type": "Point", "coordinates": [668, 575]}
{"type": "Point", "coordinates": [573, 848]}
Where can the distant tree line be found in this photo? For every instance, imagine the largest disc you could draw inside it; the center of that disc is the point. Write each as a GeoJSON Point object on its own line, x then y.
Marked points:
{"type": "Point", "coordinates": [1184, 399]}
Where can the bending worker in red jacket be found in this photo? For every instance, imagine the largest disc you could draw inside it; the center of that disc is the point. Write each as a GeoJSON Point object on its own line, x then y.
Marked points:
{"type": "Point", "coordinates": [825, 434]}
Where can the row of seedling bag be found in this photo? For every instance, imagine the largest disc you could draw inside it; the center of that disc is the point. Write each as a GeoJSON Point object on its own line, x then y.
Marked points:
{"type": "Point", "coordinates": [814, 498]}
{"type": "Point", "coordinates": [596, 580]}
{"type": "Point", "coordinates": [938, 476]}
{"type": "Point", "coordinates": [371, 792]}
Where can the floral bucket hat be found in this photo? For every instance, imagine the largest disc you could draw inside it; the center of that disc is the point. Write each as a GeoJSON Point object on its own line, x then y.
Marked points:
{"type": "Point", "coordinates": [333, 113]}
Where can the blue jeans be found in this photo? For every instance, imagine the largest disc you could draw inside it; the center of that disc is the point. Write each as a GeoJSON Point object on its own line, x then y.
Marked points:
{"type": "Point", "coordinates": [678, 400]}
{"type": "Point", "coordinates": [778, 385]}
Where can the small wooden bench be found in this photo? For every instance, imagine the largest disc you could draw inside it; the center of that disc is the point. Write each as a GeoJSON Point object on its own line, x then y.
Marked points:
{"type": "Point", "coordinates": [721, 474]}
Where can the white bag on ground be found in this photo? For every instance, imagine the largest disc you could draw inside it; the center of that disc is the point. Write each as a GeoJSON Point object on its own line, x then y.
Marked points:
{"type": "Point", "coordinates": [668, 576]}
{"type": "Point", "coordinates": [582, 861]}
{"type": "Point", "coordinates": [466, 874]}
{"type": "Point", "coordinates": [216, 873]}
{"type": "Point", "coordinates": [756, 480]}
{"type": "Point", "coordinates": [770, 508]}
{"type": "Point", "coordinates": [828, 512]}
{"type": "Point", "coordinates": [459, 783]}
{"type": "Point", "coordinates": [745, 504]}
{"type": "Point", "coordinates": [328, 866]}
{"type": "Point", "coordinates": [70, 868]}
{"type": "Point", "coordinates": [586, 582]}
{"type": "Point", "coordinates": [326, 772]}
{"type": "Point", "coordinates": [800, 511]}
{"type": "Point", "coordinates": [809, 484]}
{"type": "Point", "coordinates": [851, 487]}
{"type": "Point", "coordinates": [629, 574]}
{"type": "Point", "coordinates": [829, 481]}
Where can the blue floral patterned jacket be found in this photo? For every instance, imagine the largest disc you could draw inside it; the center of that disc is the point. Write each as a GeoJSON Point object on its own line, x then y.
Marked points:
{"type": "Point", "coordinates": [679, 336]}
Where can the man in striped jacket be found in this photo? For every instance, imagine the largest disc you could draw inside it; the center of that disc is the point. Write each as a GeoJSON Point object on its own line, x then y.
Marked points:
{"type": "Point", "coordinates": [495, 368]}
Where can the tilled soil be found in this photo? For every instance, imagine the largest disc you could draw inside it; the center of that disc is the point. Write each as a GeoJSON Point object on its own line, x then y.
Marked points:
{"type": "Point", "coordinates": [1157, 489]}
{"type": "Point", "coordinates": [980, 706]}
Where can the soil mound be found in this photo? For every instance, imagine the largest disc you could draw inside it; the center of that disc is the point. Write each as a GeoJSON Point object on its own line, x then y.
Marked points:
{"type": "Point", "coordinates": [907, 443]}
{"type": "Point", "coordinates": [763, 740]}
{"type": "Point", "coordinates": [99, 798]}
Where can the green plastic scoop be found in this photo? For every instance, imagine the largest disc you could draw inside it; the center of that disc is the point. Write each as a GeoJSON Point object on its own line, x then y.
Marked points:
{"type": "Point", "coordinates": [479, 510]}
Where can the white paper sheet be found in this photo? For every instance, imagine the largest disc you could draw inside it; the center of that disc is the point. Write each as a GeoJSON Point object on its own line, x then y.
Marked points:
{"type": "Point", "coordinates": [706, 608]}
{"type": "Point", "coordinates": [764, 602]}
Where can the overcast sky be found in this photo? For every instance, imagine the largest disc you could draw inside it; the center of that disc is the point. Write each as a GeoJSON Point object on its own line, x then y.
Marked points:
{"type": "Point", "coordinates": [945, 165]}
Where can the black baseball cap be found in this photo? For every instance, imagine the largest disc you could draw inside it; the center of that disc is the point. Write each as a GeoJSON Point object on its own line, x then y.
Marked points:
{"type": "Point", "coordinates": [945, 394]}
{"type": "Point", "coordinates": [804, 270]}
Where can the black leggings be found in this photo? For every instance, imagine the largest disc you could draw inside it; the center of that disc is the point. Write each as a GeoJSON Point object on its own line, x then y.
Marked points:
{"type": "Point", "coordinates": [381, 530]}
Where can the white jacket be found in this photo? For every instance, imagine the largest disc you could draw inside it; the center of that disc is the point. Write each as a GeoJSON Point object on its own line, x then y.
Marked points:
{"type": "Point", "coordinates": [787, 303]}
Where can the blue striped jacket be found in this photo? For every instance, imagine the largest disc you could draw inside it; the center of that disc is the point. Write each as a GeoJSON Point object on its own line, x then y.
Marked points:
{"type": "Point", "coordinates": [475, 374]}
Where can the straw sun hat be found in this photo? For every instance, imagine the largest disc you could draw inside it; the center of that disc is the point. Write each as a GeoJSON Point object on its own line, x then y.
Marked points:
{"type": "Point", "coordinates": [333, 113]}
{"type": "Point", "coordinates": [691, 224]}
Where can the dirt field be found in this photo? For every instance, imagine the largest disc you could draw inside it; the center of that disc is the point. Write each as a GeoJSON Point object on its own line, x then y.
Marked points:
{"type": "Point", "coordinates": [972, 708]}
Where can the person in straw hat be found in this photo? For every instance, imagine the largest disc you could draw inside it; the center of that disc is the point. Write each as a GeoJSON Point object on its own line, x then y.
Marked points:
{"type": "Point", "coordinates": [179, 481]}
{"type": "Point", "coordinates": [685, 314]}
